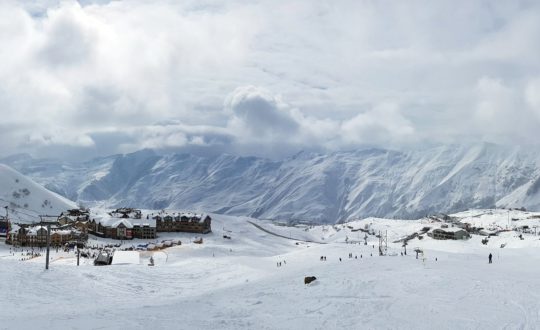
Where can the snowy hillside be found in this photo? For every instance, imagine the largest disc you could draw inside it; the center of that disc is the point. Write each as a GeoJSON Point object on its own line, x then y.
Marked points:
{"type": "Point", "coordinates": [237, 283]}
{"type": "Point", "coordinates": [308, 188]}
{"type": "Point", "coordinates": [26, 199]}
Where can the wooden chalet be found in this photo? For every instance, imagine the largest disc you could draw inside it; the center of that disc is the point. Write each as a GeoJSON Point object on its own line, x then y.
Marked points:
{"type": "Point", "coordinates": [123, 228]}
{"type": "Point", "coordinates": [74, 215]}
{"type": "Point", "coordinates": [36, 236]}
{"type": "Point", "coordinates": [449, 233]}
{"type": "Point", "coordinates": [184, 222]}
{"type": "Point", "coordinates": [127, 223]}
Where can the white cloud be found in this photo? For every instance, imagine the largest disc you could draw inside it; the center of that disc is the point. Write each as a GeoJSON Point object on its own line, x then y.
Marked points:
{"type": "Point", "coordinates": [502, 112]}
{"type": "Point", "coordinates": [381, 125]}
{"type": "Point", "coordinates": [97, 75]}
{"type": "Point", "coordinates": [532, 96]}
{"type": "Point", "coordinates": [59, 138]}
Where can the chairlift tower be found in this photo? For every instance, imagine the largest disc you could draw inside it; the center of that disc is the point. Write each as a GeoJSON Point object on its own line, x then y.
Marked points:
{"type": "Point", "coordinates": [48, 223]}
{"type": "Point", "coordinates": [383, 243]}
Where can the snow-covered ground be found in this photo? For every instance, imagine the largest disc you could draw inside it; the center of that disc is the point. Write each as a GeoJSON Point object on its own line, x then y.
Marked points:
{"type": "Point", "coordinates": [236, 283]}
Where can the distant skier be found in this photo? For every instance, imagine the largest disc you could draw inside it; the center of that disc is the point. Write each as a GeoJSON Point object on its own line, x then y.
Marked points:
{"type": "Point", "coordinates": [490, 257]}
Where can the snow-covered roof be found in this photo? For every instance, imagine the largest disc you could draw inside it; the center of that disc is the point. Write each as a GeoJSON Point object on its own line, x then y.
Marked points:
{"type": "Point", "coordinates": [33, 230]}
{"type": "Point", "coordinates": [190, 215]}
{"type": "Point", "coordinates": [128, 222]}
{"type": "Point", "coordinates": [61, 232]}
{"type": "Point", "coordinates": [118, 222]}
{"type": "Point", "coordinates": [73, 217]}
{"type": "Point", "coordinates": [14, 228]}
{"type": "Point", "coordinates": [450, 229]}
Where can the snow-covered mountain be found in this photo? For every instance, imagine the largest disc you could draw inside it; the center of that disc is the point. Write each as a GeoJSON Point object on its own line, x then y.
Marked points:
{"type": "Point", "coordinates": [307, 187]}
{"type": "Point", "coordinates": [26, 200]}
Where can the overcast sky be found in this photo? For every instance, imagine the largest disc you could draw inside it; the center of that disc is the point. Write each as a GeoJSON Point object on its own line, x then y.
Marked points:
{"type": "Point", "coordinates": [267, 78]}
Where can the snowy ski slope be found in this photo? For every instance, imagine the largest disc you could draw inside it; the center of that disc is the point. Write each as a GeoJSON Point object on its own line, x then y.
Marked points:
{"type": "Point", "coordinates": [236, 284]}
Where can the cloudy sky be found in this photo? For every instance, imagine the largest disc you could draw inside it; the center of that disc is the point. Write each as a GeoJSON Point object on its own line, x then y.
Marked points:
{"type": "Point", "coordinates": [268, 78]}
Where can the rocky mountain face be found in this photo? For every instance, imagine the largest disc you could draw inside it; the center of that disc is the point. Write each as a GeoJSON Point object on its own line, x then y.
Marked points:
{"type": "Point", "coordinates": [307, 187]}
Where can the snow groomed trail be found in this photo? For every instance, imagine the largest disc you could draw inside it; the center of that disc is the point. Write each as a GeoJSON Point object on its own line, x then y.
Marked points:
{"type": "Point", "coordinates": [243, 292]}
{"type": "Point", "coordinates": [282, 236]}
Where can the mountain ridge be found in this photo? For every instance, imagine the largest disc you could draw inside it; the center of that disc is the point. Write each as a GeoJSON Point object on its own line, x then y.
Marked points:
{"type": "Point", "coordinates": [306, 187]}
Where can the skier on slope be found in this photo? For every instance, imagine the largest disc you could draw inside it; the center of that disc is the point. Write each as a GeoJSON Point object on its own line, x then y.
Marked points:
{"type": "Point", "coordinates": [490, 257]}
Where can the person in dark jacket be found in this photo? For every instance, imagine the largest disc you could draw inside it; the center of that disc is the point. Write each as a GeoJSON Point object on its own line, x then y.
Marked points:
{"type": "Point", "coordinates": [490, 258]}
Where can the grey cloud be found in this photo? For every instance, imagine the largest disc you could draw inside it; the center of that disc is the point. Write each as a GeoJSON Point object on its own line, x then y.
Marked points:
{"type": "Point", "coordinates": [260, 113]}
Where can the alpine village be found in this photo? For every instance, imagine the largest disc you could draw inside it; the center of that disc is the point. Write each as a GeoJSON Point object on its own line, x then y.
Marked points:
{"type": "Point", "coordinates": [73, 228]}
